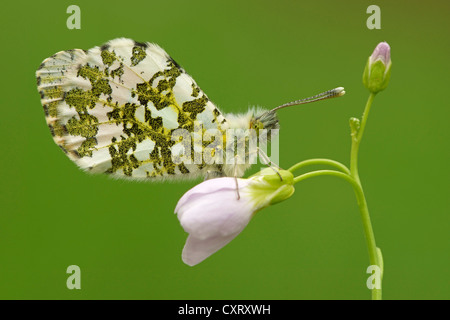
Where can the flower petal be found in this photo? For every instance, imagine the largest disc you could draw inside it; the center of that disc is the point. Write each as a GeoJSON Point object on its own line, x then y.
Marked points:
{"type": "Point", "coordinates": [216, 214]}
{"type": "Point", "coordinates": [196, 250]}
{"type": "Point", "coordinates": [207, 187]}
{"type": "Point", "coordinates": [382, 51]}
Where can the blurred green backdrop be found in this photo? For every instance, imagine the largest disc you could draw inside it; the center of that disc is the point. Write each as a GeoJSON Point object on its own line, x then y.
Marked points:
{"type": "Point", "coordinates": [125, 237]}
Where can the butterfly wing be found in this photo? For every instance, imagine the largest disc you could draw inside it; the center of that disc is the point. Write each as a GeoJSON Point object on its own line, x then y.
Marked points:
{"type": "Point", "coordinates": [112, 109]}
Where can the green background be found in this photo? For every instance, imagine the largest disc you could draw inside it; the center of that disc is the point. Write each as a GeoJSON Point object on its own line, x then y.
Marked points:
{"type": "Point", "coordinates": [124, 235]}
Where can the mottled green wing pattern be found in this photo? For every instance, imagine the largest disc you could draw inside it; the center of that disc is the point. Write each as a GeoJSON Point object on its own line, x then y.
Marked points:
{"type": "Point", "coordinates": [112, 109]}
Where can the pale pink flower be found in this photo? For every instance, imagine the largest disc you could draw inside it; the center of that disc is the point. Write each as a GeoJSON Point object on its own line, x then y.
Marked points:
{"type": "Point", "coordinates": [213, 215]}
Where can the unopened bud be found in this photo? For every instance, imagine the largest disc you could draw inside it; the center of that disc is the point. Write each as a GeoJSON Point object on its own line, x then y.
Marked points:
{"type": "Point", "coordinates": [378, 68]}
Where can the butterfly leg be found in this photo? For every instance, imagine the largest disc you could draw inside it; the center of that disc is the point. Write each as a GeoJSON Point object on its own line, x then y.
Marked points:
{"type": "Point", "coordinates": [236, 181]}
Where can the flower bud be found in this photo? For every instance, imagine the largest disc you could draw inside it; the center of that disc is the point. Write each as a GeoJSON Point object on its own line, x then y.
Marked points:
{"type": "Point", "coordinates": [378, 68]}
{"type": "Point", "coordinates": [355, 124]}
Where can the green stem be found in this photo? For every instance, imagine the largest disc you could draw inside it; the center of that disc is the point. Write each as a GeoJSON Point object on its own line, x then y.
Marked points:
{"type": "Point", "coordinates": [352, 176]}
{"type": "Point", "coordinates": [362, 204]}
{"type": "Point", "coordinates": [361, 199]}
{"type": "Point", "coordinates": [329, 162]}
{"type": "Point", "coordinates": [369, 235]}
{"type": "Point", "coordinates": [326, 173]}
{"type": "Point", "coordinates": [356, 138]}
{"type": "Point", "coordinates": [365, 115]}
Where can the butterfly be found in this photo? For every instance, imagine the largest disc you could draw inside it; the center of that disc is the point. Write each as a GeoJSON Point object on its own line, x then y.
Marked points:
{"type": "Point", "coordinates": [127, 109]}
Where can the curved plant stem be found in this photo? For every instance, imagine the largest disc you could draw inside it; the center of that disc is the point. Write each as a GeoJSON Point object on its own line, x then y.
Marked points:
{"type": "Point", "coordinates": [317, 173]}
{"type": "Point", "coordinates": [352, 176]}
{"type": "Point", "coordinates": [311, 162]}
{"type": "Point", "coordinates": [374, 252]}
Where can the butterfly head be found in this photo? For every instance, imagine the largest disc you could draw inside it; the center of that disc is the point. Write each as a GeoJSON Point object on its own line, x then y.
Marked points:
{"type": "Point", "coordinates": [264, 120]}
{"type": "Point", "coordinates": [268, 119]}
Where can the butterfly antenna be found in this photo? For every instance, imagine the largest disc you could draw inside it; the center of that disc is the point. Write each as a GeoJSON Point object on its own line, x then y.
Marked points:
{"type": "Point", "coordinates": [333, 93]}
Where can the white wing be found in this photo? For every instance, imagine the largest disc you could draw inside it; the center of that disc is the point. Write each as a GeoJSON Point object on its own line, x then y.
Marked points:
{"type": "Point", "coordinates": [112, 109]}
